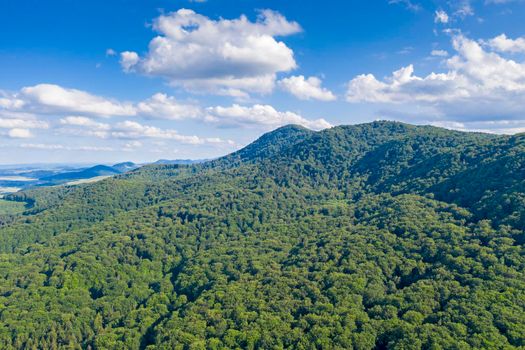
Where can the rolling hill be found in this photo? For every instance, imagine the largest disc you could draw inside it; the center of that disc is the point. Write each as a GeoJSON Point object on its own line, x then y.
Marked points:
{"type": "Point", "coordinates": [97, 170]}
{"type": "Point", "coordinates": [373, 236]}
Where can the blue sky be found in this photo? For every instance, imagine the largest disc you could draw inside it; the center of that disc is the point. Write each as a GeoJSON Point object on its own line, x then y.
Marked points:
{"type": "Point", "coordinates": [107, 81]}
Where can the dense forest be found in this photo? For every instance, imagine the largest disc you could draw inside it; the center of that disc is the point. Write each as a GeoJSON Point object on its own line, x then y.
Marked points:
{"type": "Point", "coordinates": [373, 236]}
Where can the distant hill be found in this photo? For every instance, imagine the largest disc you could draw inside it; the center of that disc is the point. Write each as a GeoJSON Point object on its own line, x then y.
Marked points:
{"type": "Point", "coordinates": [88, 173]}
{"type": "Point", "coordinates": [98, 170]}
{"type": "Point", "coordinates": [125, 167]}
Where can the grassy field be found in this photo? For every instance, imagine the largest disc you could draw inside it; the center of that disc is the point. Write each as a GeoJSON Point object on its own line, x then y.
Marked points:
{"type": "Point", "coordinates": [8, 207]}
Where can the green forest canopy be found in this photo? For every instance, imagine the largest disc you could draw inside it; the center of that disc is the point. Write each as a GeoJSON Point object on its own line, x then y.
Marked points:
{"type": "Point", "coordinates": [374, 236]}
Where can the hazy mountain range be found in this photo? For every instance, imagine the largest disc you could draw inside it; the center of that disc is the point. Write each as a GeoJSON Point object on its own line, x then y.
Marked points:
{"type": "Point", "coordinates": [18, 177]}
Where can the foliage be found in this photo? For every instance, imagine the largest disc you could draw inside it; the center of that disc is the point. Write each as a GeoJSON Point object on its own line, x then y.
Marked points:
{"type": "Point", "coordinates": [376, 236]}
{"type": "Point", "coordinates": [10, 207]}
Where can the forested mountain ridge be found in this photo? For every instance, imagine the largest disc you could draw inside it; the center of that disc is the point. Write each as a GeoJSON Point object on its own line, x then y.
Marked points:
{"type": "Point", "coordinates": [373, 236]}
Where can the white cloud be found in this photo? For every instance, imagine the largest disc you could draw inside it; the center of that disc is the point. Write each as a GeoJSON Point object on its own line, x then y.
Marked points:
{"type": "Point", "coordinates": [131, 129]}
{"type": "Point", "coordinates": [10, 102]}
{"type": "Point", "coordinates": [83, 126]}
{"type": "Point", "coordinates": [441, 17]}
{"type": "Point", "coordinates": [72, 112]}
{"type": "Point", "coordinates": [166, 107]}
{"type": "Point", "coordinates": [439, 53]}
{"type": "Point", "coordinates": [503, 44]}
{"type": "Point", "coordinates": [8, 123]}
{"type": "Point", "coordinates": [57, 147]}
{"type": "Point", "coordinates": [19, 123]}
{"type": "Point", "coordinates": [220, 56]}
{"type": "Point", "coordinates": [19, 133]}
{"type": "Point", "coordinates": [477, 84]}
{"type": "Point", "coordinates": [261, 115]}
{"type": "Point", "coordinates": [128, 59]}
{"type": "Point", "coordinates": [54, 99]}
{"type": "Point", "coordinates": [84, 122]}
{"type": "Point", "coordinates": [111, 52]}
{"type": "Point", "coordinates": [306, 89]}
{"type": "Point", "coordinates": [50, 98]}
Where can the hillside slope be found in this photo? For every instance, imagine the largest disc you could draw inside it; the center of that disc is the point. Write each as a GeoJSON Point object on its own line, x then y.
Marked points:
{"type": "Point", "coordinates": [374, 236]}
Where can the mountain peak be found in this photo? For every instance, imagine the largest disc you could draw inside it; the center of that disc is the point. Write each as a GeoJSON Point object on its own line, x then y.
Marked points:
{"type": "Point", "coordinates": [271, 143]}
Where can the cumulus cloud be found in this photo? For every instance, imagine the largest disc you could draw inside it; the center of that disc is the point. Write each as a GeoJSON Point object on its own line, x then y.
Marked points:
{"type": "Point", "coordinates": [83, 126]}
{"type": "Point", "coordinates": [221, 56]}
{"type": "Point", "coordinates": [306, 89]}
{"type": "Point", "coordinates": [19, 124]}
{"type": "Point", "coordinates": [78, 110]}
{"type": "Point", "coordinates": [10, 102]}
{"type": "Point", "coordinates": [167, 107]}
{"type": "Point", "coordinates": [72, 112]}
{"type": "Point", "coordinates": [477, 84]}
{"type": "Point", "coordinates": [52, 98]}
{"type": "Point", "coordinates": [503, 44]}
{"type": "Point", "coordinates": [261, 115]}
{"type": "Point", "coordinates": [19, 133]}
{"type": "Point", "coordinates": [58, 100]}
{"type": "Point", "coordinates": [128, 59]}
